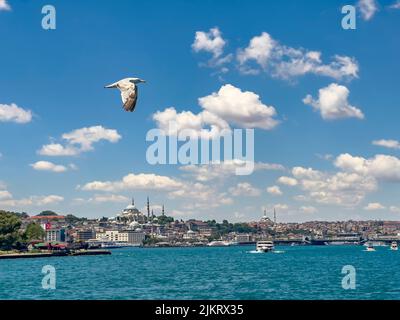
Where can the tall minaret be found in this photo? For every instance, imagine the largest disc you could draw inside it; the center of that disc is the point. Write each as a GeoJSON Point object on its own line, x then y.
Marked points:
{"type": "Point", "coordinates": [163, 211]}
{"type": "Point", "coordinates": [148, 207]}
{"type": "Point", "coordinates": [274, 216]}
{"type": "Point", "coordinates": [133, 201]}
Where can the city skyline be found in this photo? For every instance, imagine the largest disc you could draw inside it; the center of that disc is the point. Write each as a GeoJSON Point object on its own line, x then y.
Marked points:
{"type": "Point", "coordinates": [322, 103]}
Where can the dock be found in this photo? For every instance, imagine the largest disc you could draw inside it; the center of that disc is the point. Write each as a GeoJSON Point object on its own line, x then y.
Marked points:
{"type": "Point", "coordinates": [54, 254]}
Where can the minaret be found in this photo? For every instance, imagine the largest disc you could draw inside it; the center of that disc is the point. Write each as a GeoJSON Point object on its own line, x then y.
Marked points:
{"type": "Point", "coordinates": [148, 207]}
{"type": "Point", "coordinates": [163, 211]}
{"type": "Point", "coordinates": [274, 216]}
{"type": "Point", "coordinates": [133, 201]}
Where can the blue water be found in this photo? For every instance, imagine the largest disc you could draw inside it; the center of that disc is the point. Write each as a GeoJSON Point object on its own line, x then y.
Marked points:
{"type": "Point", "coordinates": [208, 273]}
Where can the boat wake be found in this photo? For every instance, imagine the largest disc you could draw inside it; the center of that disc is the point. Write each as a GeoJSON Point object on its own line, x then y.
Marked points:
{"type": "Point", "coordinates": [259, 252]}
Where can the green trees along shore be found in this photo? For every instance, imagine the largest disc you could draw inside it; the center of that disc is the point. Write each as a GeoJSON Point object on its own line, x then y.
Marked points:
{"type": "Point", "coordinates": [11, 234]}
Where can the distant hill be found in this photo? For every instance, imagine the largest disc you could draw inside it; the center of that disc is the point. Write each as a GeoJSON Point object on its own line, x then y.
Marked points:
{"type": "Point", "coordinates": [47, 213]}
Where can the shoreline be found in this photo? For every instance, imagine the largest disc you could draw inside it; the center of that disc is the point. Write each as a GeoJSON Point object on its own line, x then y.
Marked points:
{"type": "Point", "coordinates": [20, 255]}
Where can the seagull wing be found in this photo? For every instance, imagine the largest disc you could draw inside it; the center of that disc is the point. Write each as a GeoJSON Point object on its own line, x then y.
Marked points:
{"type": "Point", "coordinates": [129, 96]}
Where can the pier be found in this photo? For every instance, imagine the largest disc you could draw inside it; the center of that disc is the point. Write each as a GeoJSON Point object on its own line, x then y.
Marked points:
{"type": "Point", "coordinates": [54, 254]}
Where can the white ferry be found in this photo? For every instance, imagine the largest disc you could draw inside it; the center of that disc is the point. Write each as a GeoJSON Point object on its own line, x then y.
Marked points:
{"type": "Point", "coordinates": [264, 246]}
{"type": "Point", "coordinates": [394, 246]}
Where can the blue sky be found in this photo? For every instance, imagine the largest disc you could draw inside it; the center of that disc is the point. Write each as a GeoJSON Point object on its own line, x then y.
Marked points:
{"type": "Point", "coordinates": [336, 151]}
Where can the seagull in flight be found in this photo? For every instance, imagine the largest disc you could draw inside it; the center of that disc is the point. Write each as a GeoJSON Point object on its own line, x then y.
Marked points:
{"type": "Point", "coordinates": [129, 91]}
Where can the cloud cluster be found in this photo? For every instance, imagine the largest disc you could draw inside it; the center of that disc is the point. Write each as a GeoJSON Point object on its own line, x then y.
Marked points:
{"type": "Point", "coordinates": [224, 169]}
{"type": "Point", "coordinates": [13, 113]}
{"type": "Point", "coordinates": [342, 188]}
{"type": "Point", "coordinates": [229, 106]}
{"type": "Point", "coordinates": [265, 54]}
{"type": "Point", "coordinates": [332, 103]}
{"type": "Point", "coordinates": [38, 201]}
{"type": "Point", "coordinates": [380, 167]}
{"type": "Point", "coordinates": [80, 140]}
{"type": "Point", "coordinates": [244, 189]}
{"type": "Point", "coordinates": [133, 181]}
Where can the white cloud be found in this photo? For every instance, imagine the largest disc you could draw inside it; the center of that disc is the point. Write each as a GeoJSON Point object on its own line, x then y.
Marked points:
{"type": "Point", "coordinates": [171, 122]}
{"type": "Point", "coordinates": [308, 209]}
{"type": "Point", "coordinates": [132, 181]}
{"type": "Point", "coordinates": [225, 169]}
{"type": "Point", "coordinates": [394, 209]}
{"type": "Point", "coordinates": [286, 62]}
{"type": "Point", "coordinates": [13, 113]}
{"type": "Point", "coordinates": [57, 150]}
{"type": "Point", "coordinates": [342, 188]}
{"type": "Point", "coordinates": [201, 196]}
{"type": "Point", "coordinates": [243, 108]}
{"type": "Point", "coordinates": [368, 8]}
{"type": "Point", "coordinates": [391, 144]}
{"type": "Point", "coordinates": [381, 167]}
{"type": "Point", "coordinates": [274, 190]}
{"type": "Point", "coordinates": [80, 140]}
{"type": "Point", "coordinates": [374, 206]}
{"type": "Point", "coordinates": [333, 104]}
{"type": "Point", "coordinates": [48, 166]}
{"type": "Point", "coordinates": [109, 198]}
{"type": "Point", "coordinates": [244, 189]}
{"type": "Point", "coordinates": [288, 181]}
{"type": "Point", "coordinates": [260, 50]}
{"type": "Point", "coordinates": [4, 195]}
{"type": "Point", "coordinates": [211, 41]}
{"type": "Point", "coordinates": [4, 5]}
{"type": "Point", "coordinates": [229, 105]}
{"type": "Point", "coordinates": [38, 201]}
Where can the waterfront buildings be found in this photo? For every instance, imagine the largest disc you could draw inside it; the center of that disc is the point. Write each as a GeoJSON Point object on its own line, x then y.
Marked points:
{"type": "Point", "coordinates": [55, 235]}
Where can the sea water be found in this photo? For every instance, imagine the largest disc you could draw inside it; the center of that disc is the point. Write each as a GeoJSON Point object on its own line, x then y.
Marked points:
{"type": "Point", "coordinates": [301, 272]}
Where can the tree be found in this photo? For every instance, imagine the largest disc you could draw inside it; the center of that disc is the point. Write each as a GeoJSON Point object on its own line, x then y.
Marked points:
{"type": "Point", "coordinates": [34, 232]}
{"type": "Point", "coordinates": [71, 219]}
{"type": "Point", "coordinates": [9, 230]}
{"type": "Point", "coordinates": [47, 213]}
{"type": "Point", "coordinates": [164, 220]}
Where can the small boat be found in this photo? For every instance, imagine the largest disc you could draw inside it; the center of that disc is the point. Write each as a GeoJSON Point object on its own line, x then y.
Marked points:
{"type": "Point", "coordinates": [370, 247]}
{"type": "Point", "coordinates": [394, 246]}
{"type": "Point", "coordinates": [264, 246]}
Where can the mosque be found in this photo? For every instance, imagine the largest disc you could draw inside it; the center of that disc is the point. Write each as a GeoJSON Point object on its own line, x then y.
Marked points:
{"type": "Point", "coordinates": [134, 217]}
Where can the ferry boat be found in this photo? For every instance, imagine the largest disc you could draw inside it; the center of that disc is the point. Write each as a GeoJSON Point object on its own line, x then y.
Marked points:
{"type": "Point", "coordinates": [394, 246]}
{"type": "Point", "coordinates": [264, 246]}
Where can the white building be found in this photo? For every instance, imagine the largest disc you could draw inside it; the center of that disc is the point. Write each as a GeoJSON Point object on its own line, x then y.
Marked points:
{"type": "Point", "coordinates": [129, 236]}
{"type": "Point", "coordinates": [55, 235]}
